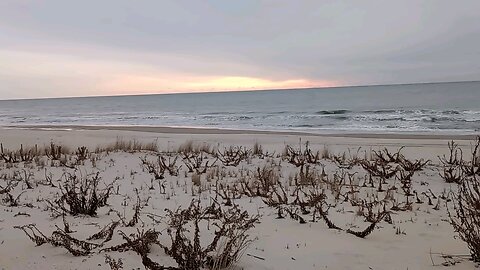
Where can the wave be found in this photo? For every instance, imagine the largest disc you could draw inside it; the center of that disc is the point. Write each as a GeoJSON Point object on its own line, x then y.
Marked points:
{"type": "Point", "coordinates": [216, 113]}
{"type": "Point", "coordinates": [332, 112]}
{"type": "Point", "coordinates": [230, 117]}
{"type": "Point", "coordinates": [380, 111]}
{"type": "Point", "coordinates": [392, 120]}
{"type": "Point", "coordinates": [340, 117]}
{"type": "Point", "coordinates": [304, 126]}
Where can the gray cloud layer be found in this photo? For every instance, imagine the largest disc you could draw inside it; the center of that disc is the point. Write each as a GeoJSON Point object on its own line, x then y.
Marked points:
{"type": "Point", "coordinates": [354, 42]}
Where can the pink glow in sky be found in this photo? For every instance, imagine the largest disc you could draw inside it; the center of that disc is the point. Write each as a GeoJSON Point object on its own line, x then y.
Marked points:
{"type": "Point", "coordinates": [138, 84]}
{"type": "Point", "coordinates": [56, 48]}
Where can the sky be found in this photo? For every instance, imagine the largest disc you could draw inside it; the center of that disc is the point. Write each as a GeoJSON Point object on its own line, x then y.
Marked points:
{"type": "Point", "coordinates": [55, 48]}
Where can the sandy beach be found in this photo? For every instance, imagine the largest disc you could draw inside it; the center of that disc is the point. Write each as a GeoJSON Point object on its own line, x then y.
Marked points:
{"type": "Point", "coordinates": [96, 135]}
{"type": "Point", "coordinates": [239, 135]}
{"type": "Point", "coordinates": [417, 237]}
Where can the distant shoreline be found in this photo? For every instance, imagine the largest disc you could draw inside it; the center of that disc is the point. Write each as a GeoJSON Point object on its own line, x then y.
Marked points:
{"type": "Point", "coordinates": [213, 131]}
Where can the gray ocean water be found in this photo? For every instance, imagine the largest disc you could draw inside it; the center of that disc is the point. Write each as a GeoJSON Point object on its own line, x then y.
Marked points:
{"type": "Point", "coordinates": [415, 108]}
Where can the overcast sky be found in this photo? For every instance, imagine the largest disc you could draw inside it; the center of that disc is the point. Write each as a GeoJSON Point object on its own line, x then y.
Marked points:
{"type": "Point", "coordinates": [77, 48]}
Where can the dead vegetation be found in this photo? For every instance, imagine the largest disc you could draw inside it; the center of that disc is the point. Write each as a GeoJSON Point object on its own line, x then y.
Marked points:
{"type": "Point", "coordinates": [374, 219]}
{"type": "Point", "coordinates": [160, 166]}
{"type": "Point", "coordinates": [22, 155]}
{"type": "Point", "coordinates": [223, 250]}
{"type": "Point", "coordinates": [452, 165]}
{"type": "Point", "coordinates": [139, 242]}
{"type": "Point", "coordinates": [128, 146]}
{"type": "Point", "coordinates": [55, 152]}
{"type": "Point", "coordinates": [465, 216]}
{"type": "Point", "coordinates": [106, 233]}
{"type": "Point", "coordinates": [302, 155]}
{"type": "Point", "coordinates": [198, 163]}
{"type": "Point", "coordinates": [114, 264]}
{"type": "Point", "coordinates": [82, 153]}
{"type": "Point", "coordinates": [58, 238]}
{"type": "Point", "coordinates": [318, 187]}
{"type": "Point", "coordinates": [190, 147]}
{"type": "Point", "coordinates": [233, 155]}
{"type": "Point", "coordinates": [80, 196]}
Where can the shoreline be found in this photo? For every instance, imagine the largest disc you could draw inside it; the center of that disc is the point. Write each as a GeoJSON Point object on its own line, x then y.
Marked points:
{"type": "Point", "coordinates": [219, 131]}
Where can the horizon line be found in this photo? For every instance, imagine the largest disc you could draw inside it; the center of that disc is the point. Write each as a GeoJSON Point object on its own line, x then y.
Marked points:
{"type": "Point", "coordinates": [242, 90]}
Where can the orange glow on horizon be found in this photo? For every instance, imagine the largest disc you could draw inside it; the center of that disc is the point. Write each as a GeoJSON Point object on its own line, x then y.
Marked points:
{"type": "Point", "coordinates": [138, 84]}
{"type": "Point", "coordinates": [54, 75]}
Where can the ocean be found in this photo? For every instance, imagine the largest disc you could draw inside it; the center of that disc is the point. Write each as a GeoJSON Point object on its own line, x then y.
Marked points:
{"type": "Point", "coordinates": [451, 108]}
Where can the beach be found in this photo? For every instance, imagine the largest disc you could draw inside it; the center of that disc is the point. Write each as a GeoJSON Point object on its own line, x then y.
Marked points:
{"type": "Point", "coordinates": [413, 238]}
{"type": "Point", "coordinates": [238, 135]}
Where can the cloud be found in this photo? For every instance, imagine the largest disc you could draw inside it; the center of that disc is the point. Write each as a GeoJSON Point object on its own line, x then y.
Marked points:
{"type": "Point", "coordinates": [178, 83]}
{"type": "Point", "coordinates": [42, 74]}
{"type": "Point", "coordinates": [267, 43]}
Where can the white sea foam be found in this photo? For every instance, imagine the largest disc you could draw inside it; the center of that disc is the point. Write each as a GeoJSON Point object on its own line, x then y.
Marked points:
{"type": "Point", "coordinates": [448, 107]}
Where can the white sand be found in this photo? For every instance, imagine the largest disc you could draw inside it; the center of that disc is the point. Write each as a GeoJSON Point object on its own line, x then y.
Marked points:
{"type": "Point", "coordinates": [283, 243]}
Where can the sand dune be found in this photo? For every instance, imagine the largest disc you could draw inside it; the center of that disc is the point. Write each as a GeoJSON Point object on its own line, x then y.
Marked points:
{"type": "Point", "coordinates": [412, 232]}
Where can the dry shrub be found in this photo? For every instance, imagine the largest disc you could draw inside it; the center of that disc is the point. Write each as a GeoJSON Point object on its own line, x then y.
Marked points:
{"type": "Point", "coordinates": [278, 196]}
{"type": "Point", "coordinates": [55, 152]}
{"type": "Point", "coordinates": [8, 187]}
{"type": "Point", "coordinates": [136, 213]}
{"type": "Point", "coordinates": [223, 249]}
{"type": "Point", "coordinates": [301, 156]}
{"type": "Point", "coordinates": [233, 155]}
{"type": "Point", "coordinates": [452, 165]}
{"type": "Point", "coordinates": [139, 242]}
{"type": "Point", "coordinates": [154, 168]}
{"type": "Point", "coordinates": [465, 218]}
{"type": "Point", "coordinates": [162, 164]}
{"type": "Point", "coordinates": [73, 245]}
{"type": "Point", "coordinates": [373, 218]}
{"type": "Point", "coordinates": [385, 156]}
{"type": "Point", "coordinates": [472, 167]}
{"type": "Point", "coordinates": [227, 192]}
{"type": "Point", "coordinates": [197, 162]}
{"type": "Point", "coordinates": [9, 200]}
{"type": "Point", "coordinates": [81, 196]}
{"type": "Point", "coordinates": [128, 146]}
{"type": "Point", "coordinates": [106, 233]}
{"type": "Point", "coordinates": [365, 232]}
{"type": "Point", "coordinates": [379, 168]}
{"type": "Point", "coordinates": [317, 199]}
{"type": "Point", "coordinates": [189, 147]}
{"type": "Point", "coordinates": [257, 149]}
{"type": "Point", "coordinates": [170, 165]}
{"type": "Point", "coordinates": [114, 264]}
{"type": "Point", "coordinates": [307, 176]}
{"type": "Point", "coordinates": [345, 161]}
{"type": "Point", "coordinates": [386, 164]}
{"type": "Point", "coordinates": [186, 147]}
{"type": "Point", "coordinates": [326, 153]}
{"type": "Point", "coordinates": [405, 178]}
{"type": "Point", "coordinates": [413, 166]}
{"type": "Point", "coordinates": [26, 154]}
{"type": "Point", "coordinates": [264, 180]}
{"type": "Point", "coordinates": [82, 154]}
{"type": "Point", "coordinates": [58, 238]}
{"type": "Point", "coordinates": [196, 179]}
{"type": "Point", "coordinates": [24, 176]}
